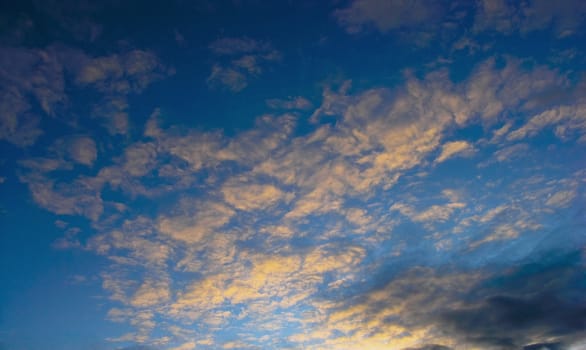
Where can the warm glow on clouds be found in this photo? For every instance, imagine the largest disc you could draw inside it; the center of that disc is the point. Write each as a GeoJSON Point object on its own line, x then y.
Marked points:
{"type": "Point", "coordinates": [365, 174]}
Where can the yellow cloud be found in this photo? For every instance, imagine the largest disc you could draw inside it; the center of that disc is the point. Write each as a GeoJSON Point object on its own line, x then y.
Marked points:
{"type": "Point", "coordinates": [195, 226]}
{"type": "Point", "coordinates": [185, 346]}
{"type": "Point", "coordinates": [151, 293]}
{"type": "Point", "coordinates": [451, 149]}
{"type": "Point", "coordinates": [358, 216]}
{"type": "Point", "coordinates": [391, 317]}
{"type": "Point", "coordinates": [263, 282]}
{"type": "Point", "coordinates": [248, 197]}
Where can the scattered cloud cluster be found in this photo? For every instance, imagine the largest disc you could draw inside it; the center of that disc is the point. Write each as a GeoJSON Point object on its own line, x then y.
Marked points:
{"type": "Point", "coordinates": [34, 83]}
{"type": "Point", "coordinates": [28, 76]}
{"type": "Point", "coordinates": [240, 59]}
{"type": "Point", "coordinates": [387, 15]}
{"type": "Point", "coordinates": [428, 18]}
{"type": "Point", "coordinates": [506, 17]}
{"type": "Point", "coordinates": [277, 228]}
{"type": "Point", "coordinates": [441, 213]}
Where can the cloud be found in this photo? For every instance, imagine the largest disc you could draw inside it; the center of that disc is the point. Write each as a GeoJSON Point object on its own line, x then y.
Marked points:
{"type": "Point", "coordinates": [139, 159]}
{"type": "Point", "coordinates": [185, 346]}
{"type": "Point", "coordinates": [461, 309]}
{"type": "Point", "coordinates": [33, 85]}
{"type": "Point", "coordinates": [299, 102]}
{"type": "Point", "coordinates": [499, 317]}
{"type": "Point", "coordinates": [505, 17]}
{"type": "Point", "coordinates": [113, 110]}
{"type": "Point", "coordinates": [151, 293]}
{"type": "Point", "coordinates": [237, 46]}
{"type": "Point", "coordinates": [45, 165]}
{"type": "Point", "coordinates": [393, 313]}
{"type": "Point", "coordinates": [242, 59]}
{"type": "Point", "coordinates": [115, 76]}
{"type": "Point", "coordinates": [67, 20]}
{"type": "Point", "coordinates": [232, 78]}
{"type": "Point", "coordinates": [248, 63]}
{"type": "Point", "coordinates": [561, 198]}
{"type": "Point", "coordinates": [309, 233]}
{"type": "Point", "coordinates": [270, 134]}
{"type": "Point", "coordinates": [510, 152]}
{"type": "Point", "coordinates": [430, 347]}
{"type": "Point", "coordinates": [263, 284]}
{"type": "Point", "coordinates": [544, 346]}
{"type": "Point", "coordinates": [35, 71]}
{"type": "Point", "coordinates": [198, 221]}
{"type": "Point", "coordinates": [76, 198]}
{"type": "Point", "coordinates": [245, 196]}
{"type": "Point", "coordinates": [83, 150]}
{"type": "Point", "coordinates": [124, 73]}
{"type": "Point", "coordinates": [386, 15]}
{"type": "Point", "coordinates": [138, 347]}
{"type": "Point", "coordinates": [17, 125]}
{"type": "Point", "coordinates": [530, 312]}
{"type": "Point", "coordinates": [27, 77]}
{"type": "Point", "coordinates": [430, 214]}
{"type": "Point", "coordinates": [451, 149]}
{"type": "Point", "coordinates": [568, 120]}
{"type": "Point", "coordinates": [563, 18]}
{"type": "Point", "coordinates": [496, 15]}
{"type": "Point", "coordinates": [358, 217]}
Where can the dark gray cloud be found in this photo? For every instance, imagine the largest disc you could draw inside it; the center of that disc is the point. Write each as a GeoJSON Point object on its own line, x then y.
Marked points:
{"type": "Point", "coordinates": [543, 299]}
{"type": "Point", "coordinates": [545, 346]}
{"type": "Point", "coordinates": [509, 322]}
{"type": "Point", "coordinates": [538, 302]}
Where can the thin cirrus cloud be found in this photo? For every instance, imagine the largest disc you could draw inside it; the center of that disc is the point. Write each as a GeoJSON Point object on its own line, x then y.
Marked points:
{"type": "Point", "coordinates": [437, 208]}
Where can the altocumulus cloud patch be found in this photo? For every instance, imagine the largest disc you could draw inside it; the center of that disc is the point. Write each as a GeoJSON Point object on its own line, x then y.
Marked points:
{"type": "Point", "coordinates": [258, 175]}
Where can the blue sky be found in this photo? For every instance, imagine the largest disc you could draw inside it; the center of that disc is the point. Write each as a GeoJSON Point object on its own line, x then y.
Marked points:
{"type": "Point", "coordinates": [293, 175]}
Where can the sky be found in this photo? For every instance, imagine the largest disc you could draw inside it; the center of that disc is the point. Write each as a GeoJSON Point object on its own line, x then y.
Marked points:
{"type": "Point", "coordinates": [367, 174]}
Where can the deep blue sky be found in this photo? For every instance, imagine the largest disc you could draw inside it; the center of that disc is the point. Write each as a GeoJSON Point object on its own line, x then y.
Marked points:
{"type": "Point", "coordinates": [359, 174]}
